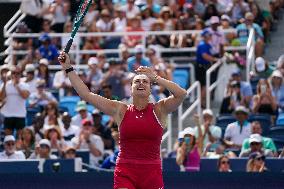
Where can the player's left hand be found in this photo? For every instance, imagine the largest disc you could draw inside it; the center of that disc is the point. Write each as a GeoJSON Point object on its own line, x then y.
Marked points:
{"type": "Point", "coordinates": [149, 72]}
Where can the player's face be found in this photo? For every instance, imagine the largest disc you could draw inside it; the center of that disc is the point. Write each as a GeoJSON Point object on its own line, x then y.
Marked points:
{"type": "Point", "coordinates": [141, 86]}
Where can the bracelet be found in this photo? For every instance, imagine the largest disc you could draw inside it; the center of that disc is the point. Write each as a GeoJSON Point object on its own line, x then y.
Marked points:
{"type": "Point", "coordinates": [69, 70]}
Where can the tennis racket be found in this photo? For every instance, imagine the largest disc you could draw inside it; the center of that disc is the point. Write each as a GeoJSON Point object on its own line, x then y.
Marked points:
{"type": "Point", "coordinates": [81, 12]}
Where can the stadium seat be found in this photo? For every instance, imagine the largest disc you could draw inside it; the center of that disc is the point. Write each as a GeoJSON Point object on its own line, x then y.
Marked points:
{"type": "Point", "coordinates": [69, 102]}
{"type": "Point", "coordinates": [19, 166]}
{"type": "Point", "coordinates": [181, 77]}
{"type": "Point", "coordinates": [31, 112]}
{"type": "Point", "coordinates": [63, 109]}
{"type": "Point", "coordinates": [90, 108]}
{"type": "Point", "coordinates": [279, 143]}
{"type": "Point", "coordinates": [265, 121]}
{"type": "Point", "coordinates": [223, 120]}
{"type": "Point", "coordinates": [253, 83]}
{"type": "Point", "coordinates": [276, 132]}
{"type": "Point", "coordinates": [280, 119]}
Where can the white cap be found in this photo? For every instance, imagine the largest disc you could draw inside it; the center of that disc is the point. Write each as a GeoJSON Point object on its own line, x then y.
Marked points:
{"type": "Point", "coordinates": [241, 109]}
{"type": "Point", "coordinates": [276, 73]}
{"type": "Point", "coordinates": [189, 131]}
{"type": "Point", "coordinates": [214, 20]}
{"type": "Point", "coordinates": [9, 138]}
{"type": "Point", "coordinates": [255, 138]}
{"type": "Point", "coordinates": [138, 49]}
{"type": "Point", "coordinates": [29, 68]}
{"type": "Point", "coordinates": [259, 64]}
{"type": "Point", "coordinates": [43, 61]}
{"type": "Point", "coordinates": [225, 17]}
{"type": "Point", "coordinates": [93, 60]}
{"type": "Point", "coordinates": [45, 142]}
{"type": "Point", "coordinates": [207, 112]}
{"type": "Point", "coordinates": [180, 135]}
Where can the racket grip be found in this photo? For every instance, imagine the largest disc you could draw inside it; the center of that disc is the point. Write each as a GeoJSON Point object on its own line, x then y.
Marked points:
{"type": "Point", "coordinates": [68, 46]}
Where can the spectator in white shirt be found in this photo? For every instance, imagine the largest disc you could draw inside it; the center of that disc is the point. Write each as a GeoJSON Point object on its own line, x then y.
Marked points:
{"type": "Point", "coordinates": [120, 20]}
{"type": "Point", "coordinates": [10, 149]}
{"type": "Point", "coordinates": [30, 78]}
{"type": "Point", "coordinates": [68, 131]}
{"type": "Point", "coordinates": [15, 93]}
{"type": "Point", "coordinates": [131, 9]}
{"type": "Point", "coordinates": [82, 114]}
{"type": "Point", "coordinates": [238, 131]}
{"type": "Point", "coordinates": [94, 74]}
{"type": "Point", "coordinates": [87, 140]}
{"type": "Point", "coordinates": [62, 82]}
{"type": "Point", "coordinates": [43, 151]}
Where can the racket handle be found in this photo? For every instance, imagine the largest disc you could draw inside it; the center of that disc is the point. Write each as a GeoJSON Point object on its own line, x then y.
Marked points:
{"type": "Point", "coordinates": [68, 46]}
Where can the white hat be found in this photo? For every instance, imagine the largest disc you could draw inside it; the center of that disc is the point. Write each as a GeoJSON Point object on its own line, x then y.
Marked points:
{"type": "Point", "coordinates": [45, 142]}
{"type": "Point", "coordinates": [259, 64]}
{"type": "Point", "coordinates": [43, 61]}
{"type": "Point", "coordinates": [180, 135]}
{"type": "Point", "coordinates": [276, 73]}
{"type": "Point", "coordinates": [189, 131]}
{"type": "Point", "coordinates": [225, 17]}
{"type": "Point", "coordinates": [241, 109]}
{"type": "Point", "coordinates": [29, 68]}
{"type": "Point", "coordinates": [93, 60]}
{"type": "Point", "coordinates": [208, 112]}
{"type": "Point", "coordinates": [4, 67]}
{"type": "Point", "coordinates": [255, 138]}
{"type": "Point", "coordinates": [9, 138]}
{"type": "Point", "coordinates": [214, 20]}
{"type": "Point", "coordinates": [138, 49]}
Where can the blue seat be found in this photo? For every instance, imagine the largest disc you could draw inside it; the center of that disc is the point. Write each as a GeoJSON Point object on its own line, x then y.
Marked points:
{"type": "Point", "coordinates": [181, 77]}
{"type": "Point", "coordinates": [253, 83]}
{"type": "Point", "coordinates": [70, 98]}
{"type": "Point", "coordinates": [63, 109]}
{"type": "Point", "coordinates": [265, 121]}
{"type": "Point", "coordinates": [280, 119]}
{"type": "Point", "coordinates": [69, 102]}
{"type": "Point", "coordinates": [279, 143]}
{"type": "Point", "coordinates": [105, 119]}
{"type": "Point", "coordinates": [276, 132]}
{"type": "Point", "coordinates": [90, 108]}
{"type": "Point", "coordinates": [223, 120]}
{"type": "Point", "coordinates": [19, 166]}
{"type": "Point", "coordinates": [31, 112]}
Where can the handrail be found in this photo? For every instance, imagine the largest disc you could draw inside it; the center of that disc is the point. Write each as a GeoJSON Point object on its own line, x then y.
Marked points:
{"type": "Point", "coordinates": [210, 87]}
{"type": "Point", "coordinates": [169, 134]}
{"type": "Point", "coordinates": [250, 53]}
{"type": "Point", "coordinates": [13, 22]}
{"type": "Point", "coordinates": [196, 104]}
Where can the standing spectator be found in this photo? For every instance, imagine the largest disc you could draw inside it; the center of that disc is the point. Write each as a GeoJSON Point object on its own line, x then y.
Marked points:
{"type": "Point", "coordinates": [94, 75]}
{"type": "Point", "coordinates": [210, 11]}
{"type": "Point", "coordinates": [60, 11]}
{"type": "Point", "coordinates": [26, 142]}
{"type": "Point", "coordinates": [81, 115]}
{"type": "Point", "coordinates": [62, 83]}
{"type": "Point", "coordinates": [135, 61]}
{"type": "Point", "coordinates": [10, 149]}
{"type": "Point", "coordinates": [89, 141]}
{"type": "Point", "coordinates": [277, 89]}
{"type": "Point", "coordinates": [189, 152]}
{"type": "Point", "coordinates": [204, 59]}
{"type": "Point", "coordinates": [68, 131]}
{"type": "Point", "coordinates": [237, 10]}
{"type": "Point", "coordinates": [262, 68]}
{"type": "Point", "coordinates": [217, 39]}
{"type": "Point", "coordinates": [255, 142]}
{"type": "Point", "coordinates": [120, 20]}
{"type": "Point", "coordinates": [158, 40]}
{"type": "Point", "coordinates": [30, 79]}
{"type": "Point", "coordinates": [43, 72]}
{"type": "Point", "coordinates": [224, 164]}
{"type": "Point", "coordinates": [47, 49]}
{"type": "Point", "coordinates": [256, 163]}
{"type": "Point", "coordinates": [226, 24]}
{"type": "Point", "coordinates": [167, 19]}
{"type": "Point", "coordinates": [105, 23]}
{"type": "Point", "coordinates": [43, 151]}
{"type": "Point", "coordinates": [4, 69]}
{"type": "Point", "coordinates": [147, 18]}
{"type": "Point", "coordinates": [263, 101]}
{"type": "Point", "coordinates": [267, 143]}
{"type": "Point", "coordinates": [238, 131]}
{"type": "Point", "coordinates": [130, 9]}
{"type": "Point", "coordinates": [134, 26]}
{"type": "Point", "coordinates": [15, 94]}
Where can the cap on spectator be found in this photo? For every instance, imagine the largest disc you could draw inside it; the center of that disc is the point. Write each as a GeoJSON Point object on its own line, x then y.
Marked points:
{"type": "Point", "coordinates": [241, 109]}
{"type": "Point", "coordinates": [122, 47]}
{"type": "Point", "coordinates": [225, 17]}
{"type": "Point", "coordinates": [235, 84]}
{"type": "Point", "coordinates": [138, 49]}
{"type": "Point", "coordinates": [259, 64]}
{"type": "Point", "coordinates": [236, 72]}
{"type": "Point", "coordinates": [165, 9]}
{"type": "Point", "coordinates": [255, 138]}
{"type": "Point", "coordinates": [249, 16]}
{"type": "Point", "coordinates": [105, 12]}
{"type": "Point", "coordinates": [181, 135]}
{"type": "Point", "coordinates": [93, 60]}
{"type": "Point", "coordinates": [87, 122]}
{"type": "Point", "coordinates": [276, 73]}
{"type": "Point", "coordinates": [256, 155]}
{"type": "Point", "coordinates": [69, 148]}
{"type": "Point", "coordinates": [43, 61]}
{"type": "Point", "coordinates": [81, 105]}
{"type": "Point", "coordinates": [44, 37]}
{"type": "Point", "coordinates": [9, 138]}
{"type": "Point", "coordinates": [214, 20]}
{"type": "Point", "coordinates": [189, 131]}
{"type": "Point", "coordinates": [40, 83]}
{"type": "Point", "coordinates": [207, 112]}
{"type": "Point", "coordinates": [205, 33]}
{"type": "Point", "coordinates": [145, 7]}
{"type": "Point", "coordinates": [44, 142]}
{"type": "Point", "coordinates": [4, 67]}
{"type": "Point", "coordinates": [29, 68]}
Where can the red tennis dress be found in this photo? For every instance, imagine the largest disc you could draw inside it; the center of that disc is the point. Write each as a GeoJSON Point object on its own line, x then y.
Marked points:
{"type": "Point", "coordinates": [138, 165]}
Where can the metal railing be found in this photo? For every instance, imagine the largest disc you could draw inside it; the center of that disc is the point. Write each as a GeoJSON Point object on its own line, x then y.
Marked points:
{"type": "Point", "coordinates": [250, 50]}
{"type": "Point", "coordinates": [195, 87]}
{"type": "Point", "coordinates": [13, 22]}
{"type": "Point", "coordinates": [169, 134]}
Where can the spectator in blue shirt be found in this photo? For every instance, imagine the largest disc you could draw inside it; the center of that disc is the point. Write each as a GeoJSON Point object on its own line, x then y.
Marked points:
{"type": "Point", "coordinates": [243, 33]}
{"type": "Point", "coordinates": [135, 61]}
{"type": "Point", "coordinates": [47, 49]}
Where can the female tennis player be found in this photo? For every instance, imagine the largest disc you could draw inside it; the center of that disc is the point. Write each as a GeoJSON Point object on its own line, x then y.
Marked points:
{"type": "Point", "coordinates": [141, 125]}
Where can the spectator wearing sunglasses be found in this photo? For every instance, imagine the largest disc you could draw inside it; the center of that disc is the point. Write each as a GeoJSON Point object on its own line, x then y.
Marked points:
{"type": "Point", "coordinates": [224, 164]}
{"type": "Point", "coordinates": [256, 163]}
{"type": "Point", "coordinates": [10, 149]}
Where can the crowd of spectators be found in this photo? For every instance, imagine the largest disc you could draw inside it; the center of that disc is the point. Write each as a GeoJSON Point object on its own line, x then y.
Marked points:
{"type": "Point", "coordinates": [28, 82]}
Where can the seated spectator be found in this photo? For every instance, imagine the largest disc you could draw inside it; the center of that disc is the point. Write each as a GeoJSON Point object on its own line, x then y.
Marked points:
{"type": "Point", "coordinates": [255, 142]}
{"type": "Point", "coordinates": [181, 40]}
{"type": "Point", "coordinates": [263, 101]}
{"type": "Point", "coordinates": [30, 79]}
{"type": "Point", "coordinates": [246, 89]}
{"type": "Point", "coordinates": [147, 18]}
{"type": "Point", "coordinates": [70, 153]}
{"type": "Point", "coordinates": [134, 26]}
{"type": "Point", "coordinates": [41, 97]}
{"type": "Point", "coordinates": [224, 164]}
{"type": "Point", "coordinates": [43, 151]}
{"type": "Point", "coordinates": [107, 92]}
{"type": "Point", "coordinates": [256, 163]}
{"type": "Point", "coordinates": [53, 134]}
{"type": "Point", "coordinates": [189, 152]}
{"type": "Point", "coordinates": [135, 61]}
{"type": "Point", "coordinates": [210, 10]}
{"type": "Point", "coordinates": [37, 127]}
{"type": "Point", "coordinates": [211, 133]}
{"type": "Point", "coordinates": [15, 93]}
{"type": "Point", "coordinates": [217, 150]}
{"type": "Point", "coordinates": [51, 115]}
{"type": "Point", "coordinates": [158, 40]}
{"type": "Point", "coordinates": [123, 55]}
{"type": "Point", "coordinates": [26, 142]}
{"type": "Point", "coordinates": [226, 24]}
{"type": "Point", "coordinates": [277, 89]}
{"type": "Point", "coordinates": [262, 68]}
{"type": "Point", "coordinates": [47, 49]}
{"type": "Point", "coordinates": [267, 143]}
{"type": "Point", "coordinates": [43, 72]}
{"type": "Point", "coordinates": [243, 33]}
{"type": "Point", "coordinates": [131, 9]}
{"type": "Point", "coordinates": [46, 26]}
{"type": "Point", "coordinates": [88, 141]}
{"type": "Point", "coordinates": [238, 131]}
{"type": "Point", "coordinates": [68, 131]}
{"type": "Point", "coordinates": [62, 83]}
{"type": "Point", "coordinates": [167, 18]}
{"type": "Point", "coordinates": [81, 115]}
{"type": "Point", "coordinates": [120, 19]}
{"type": "Point", "coordinates": [10, 149]}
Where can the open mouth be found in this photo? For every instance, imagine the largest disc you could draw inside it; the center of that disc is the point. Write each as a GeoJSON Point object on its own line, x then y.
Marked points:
{"type": "Point", "coordinates": [141, 89]}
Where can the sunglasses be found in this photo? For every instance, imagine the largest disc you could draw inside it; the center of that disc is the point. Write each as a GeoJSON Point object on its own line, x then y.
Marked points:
{"type": "Point", "coordinates": [16, 73]}
{"type": "Point", "coordinates": [44, 146]}
{"type": "Point", "coordinates": [260, 158]}
{"type": "Point", "coordinates": [225, 162]}
{"type": "Point", "coordinates": [10, 143]}
{"type": "Point", "coordinates": [254, 143]}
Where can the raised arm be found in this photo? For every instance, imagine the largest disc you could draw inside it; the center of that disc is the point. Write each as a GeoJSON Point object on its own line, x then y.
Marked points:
{"type": "Point", "coordinates": [110, 107]}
